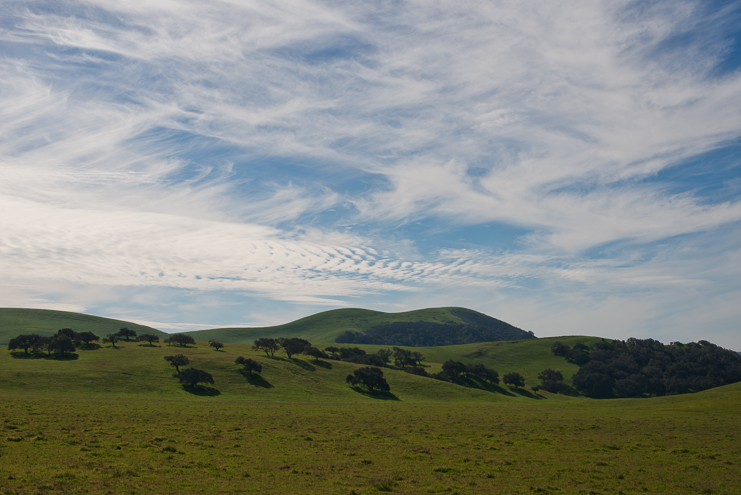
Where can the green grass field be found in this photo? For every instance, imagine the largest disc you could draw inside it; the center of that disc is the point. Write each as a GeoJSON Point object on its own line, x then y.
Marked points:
{"type": "Point", "coordinates": [116, 420]}
{"type": "Point", "coordinates": [670, 445]}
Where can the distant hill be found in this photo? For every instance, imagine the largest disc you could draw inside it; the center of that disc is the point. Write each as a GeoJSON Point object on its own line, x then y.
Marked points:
{"type": "Point", "coordinates": [424, 327]}
{"type": "Point", "coordinates": [16, 321]}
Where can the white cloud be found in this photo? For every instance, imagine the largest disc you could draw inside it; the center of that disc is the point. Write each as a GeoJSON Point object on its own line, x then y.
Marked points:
{"type": "Point", "coordinates": [150, 144]}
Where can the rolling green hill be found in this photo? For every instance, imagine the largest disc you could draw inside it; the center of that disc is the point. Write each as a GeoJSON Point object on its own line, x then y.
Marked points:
{"type": "Point", "coordinates": [381, 328]}
{"type": "Point", "coordinates": [139, 370]}
{"type": "Point", "coordinates": [15, 321]}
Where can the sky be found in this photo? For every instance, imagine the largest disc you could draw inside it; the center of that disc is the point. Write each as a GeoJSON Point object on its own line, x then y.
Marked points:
{"type": "Point", "coordinates": [571, 168]}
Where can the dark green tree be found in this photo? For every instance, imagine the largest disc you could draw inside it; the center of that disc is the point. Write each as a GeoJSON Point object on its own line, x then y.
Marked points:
{"type": "Point", "coordinates": [61, 344]}
{"type": "Point", "coordinates": [315, 353]}
{"type": "Point", "coordinates": [148, 337]}
{"type": "Point", "coordinates": [125, 333]}
{"type": "Point", "coordinates": [25, 342]}
{"type": "Point", "coordinates": [403, 357]}
{"type": "Point", "coordinates": [215, 344]}
{"type": "Point", "coordinates": [68, 332]}
{"type": "Point", "coordinates": [180, 339]}
{"type": "Point", "coordinates": [268, 345]}
{"type": "Point", "coordinates": [249, 364]}
{"type": "Point", "coordinates": [482, 372]}
{"type": "Point", "coordinates": [294, 345]}
{"type": "Point", "coordinates": [192, 376]}
{"type": "Point", "coordinates": [514, 378]}
{"type": "Point", "coordinates": [385, 355]}
{"type": "Point", "coordinates": [551, 380]}
{"type": "Point", "coordinates": [371, 377]}
{"type": "Point", "coordinates": [86, 337]}
{"type": "Point", "coordinates": [332, 350]}
{"type": "Point", "coordinates": [454, 368]}
{"type": "Point", "coordinates": [560, 349]}
{"type": "Point", "coordinates": [111, 338]}
{"type": "Point", "coordinates": [177, 361]}
{"type": "Point", "coordinates": [417, 357]}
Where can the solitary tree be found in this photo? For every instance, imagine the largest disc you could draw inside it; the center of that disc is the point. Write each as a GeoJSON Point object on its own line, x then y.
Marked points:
{"type": "Point", "coordinates": [191, 376]}
{"type": "Point", "coordinates": [111, 338]}
{"type": "Point", "coordinates": [177, 361]}
{"type": "Point", "coordinates": [371, 377]}
{"type": "Point", "coordinates": [148, 337]}
{"type": "Point", "coordinates": [249, 364]}
{"type": "Point", "coordinates": [269, 346]}
{"type": "Point", "coordinates": [514, 378]}
{"type": "Point", "coordinates": [24, 342]}
{"type": "Point", "coordinates": [180, 339]}
{"type": "Point", "coordinates": [294, 345]}
{"type": "Point", "coordinates": [126, 333]}
{"type": "Point", "coordinates": [215, 344]}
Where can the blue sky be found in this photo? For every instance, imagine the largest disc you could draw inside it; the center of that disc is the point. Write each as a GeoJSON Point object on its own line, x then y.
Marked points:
{"type": "Point", "coordinates": [572, 168]}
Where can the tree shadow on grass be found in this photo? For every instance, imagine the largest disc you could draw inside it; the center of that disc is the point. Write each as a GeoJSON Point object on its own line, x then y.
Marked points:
{"type": "Point", "coordinates": [303, 364]}
{"type": "Point", "coordinates": [201, 390]}
{"type": "Point", "coordinates": [525, 393]}
{"type": "Point", "coordinates": [322, 364]}
{"type": "Point", "coordinates": [255, 379]}
{"type": "Point", "coordinates": [375, 394]}
{"type": "Point", "coordinates": [69, 356]}
{"type": "Point", "coordinates": [146, 344]}
{"type": "Point", "coordinates": [482, 385]}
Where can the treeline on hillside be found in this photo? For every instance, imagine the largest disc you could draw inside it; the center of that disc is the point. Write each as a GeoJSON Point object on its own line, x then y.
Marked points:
{"type": "Point", "coordinates": [429, 334]}
{"type": "Point", "coordinates": [637, 368]}
{"type": "Point", "coordinates": [66, 341]}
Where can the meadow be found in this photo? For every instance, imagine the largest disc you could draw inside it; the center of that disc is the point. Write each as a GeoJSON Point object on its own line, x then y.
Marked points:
{"type": "Point", "coordinates": [681, 444]}
{"type": "Point", "coordinates": [117, 421]}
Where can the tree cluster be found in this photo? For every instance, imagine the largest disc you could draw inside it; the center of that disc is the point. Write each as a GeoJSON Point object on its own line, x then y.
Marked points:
{"type": "Point", "coordinates": [63, 342]}
{"type": "Point", "coordinates": [457, 372]}
{"type": "Point", "coordinates": [180, 339]}
{"type": "Point", "coordinates": [636, 368]}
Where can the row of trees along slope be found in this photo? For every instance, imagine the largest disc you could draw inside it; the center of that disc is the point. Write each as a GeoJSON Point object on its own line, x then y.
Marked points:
{"type": "Point", "coordinates": [644, 368]}
{"type": "Point", "coordinates": [67, 340]}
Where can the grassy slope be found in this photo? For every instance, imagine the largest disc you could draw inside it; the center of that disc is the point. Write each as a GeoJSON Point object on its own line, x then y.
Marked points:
{"type": "Point", "coordinates": [135, 369]}
{"type": "Point", "coordinates": [326, 326]}
{"type": "Point", "coordinates": [138, 370]}
{"type": "Point", "coordinates": [15, 321]}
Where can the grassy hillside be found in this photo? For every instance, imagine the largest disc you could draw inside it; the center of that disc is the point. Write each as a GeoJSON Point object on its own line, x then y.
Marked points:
{"type": "Point", "coordinates": [139, 370]}
{"type": "Point", "coordinates": [327, 326]}
{"type": "Point", "coordinates": [15, 321]}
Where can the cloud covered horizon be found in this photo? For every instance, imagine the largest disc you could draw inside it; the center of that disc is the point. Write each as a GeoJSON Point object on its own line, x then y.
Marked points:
{"type": "Point", "coordinates": [569, 168]}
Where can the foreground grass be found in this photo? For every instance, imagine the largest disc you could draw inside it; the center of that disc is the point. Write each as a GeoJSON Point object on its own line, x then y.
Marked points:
{"type": "Point", "coordinates": [682, 444]}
